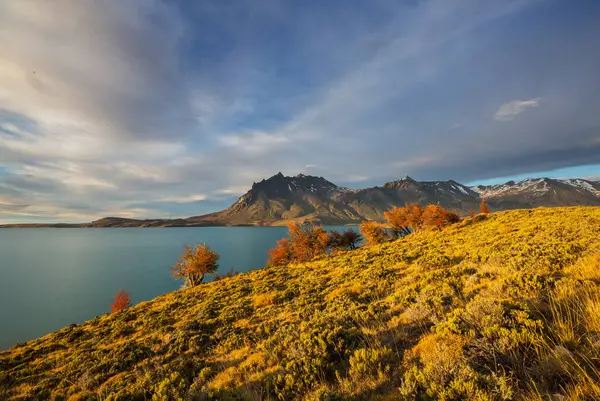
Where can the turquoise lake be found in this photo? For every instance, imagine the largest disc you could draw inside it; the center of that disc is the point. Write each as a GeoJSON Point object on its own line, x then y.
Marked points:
{"type": "Point", "coordinates": [53, 277]}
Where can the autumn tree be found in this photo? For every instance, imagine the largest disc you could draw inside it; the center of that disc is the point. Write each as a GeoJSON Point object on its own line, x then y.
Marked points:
{"type": "Point", "coordinates": [435, 216]}
{"type": "Point", "coordinates": [304, 243]}
{"type": "Point", "coordinates": [120, 302]}
{"type": "Point", "coordinates": [472, 213]}
{"type": "Point", "coordinates": [349, 239]}
{"type": "Point", "coordinates": [307, 241]}
{"type": "Point", "coordinates": [281, 254]}
{"type": "Point", "coordinates": [406, 219]}
{"type": "Point", "coordinates": [483, 207]}
{"type": "Point", "coordinates": [195, 263]}
{"type": "Point", "coordinates": [373, 232]}
{"type": "Point", "coordinates": [335, 240]}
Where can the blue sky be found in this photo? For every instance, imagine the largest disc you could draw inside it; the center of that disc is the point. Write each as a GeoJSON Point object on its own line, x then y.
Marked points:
{"type": "Point", "coordinates": [173, 108]}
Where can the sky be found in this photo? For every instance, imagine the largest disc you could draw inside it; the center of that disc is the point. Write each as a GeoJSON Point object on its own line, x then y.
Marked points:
{"type": "Point", "coordinates": [155, 108]}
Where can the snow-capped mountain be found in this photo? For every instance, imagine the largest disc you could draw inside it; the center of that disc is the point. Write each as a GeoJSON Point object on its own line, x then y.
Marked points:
{"type": "Point", "coordinates": [541, 192]}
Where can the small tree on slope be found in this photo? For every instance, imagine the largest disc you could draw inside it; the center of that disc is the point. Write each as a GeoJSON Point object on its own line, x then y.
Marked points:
{"type": "Point", "coordinates": [120, 302]}
{"type": "Point", "coordinates": [483, 207]}
{"type": "Point", "coordinates": [195, 263]}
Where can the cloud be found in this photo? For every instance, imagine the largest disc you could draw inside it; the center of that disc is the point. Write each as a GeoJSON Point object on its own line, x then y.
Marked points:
{"type": "Point", "coordinates": [171, 109]}
{"type": "Point", "coordinates": [183, 199]}
{"type": "Point", "coordinates": [510, 110]}
{"type": "Point", "coordinates": [92, 69]}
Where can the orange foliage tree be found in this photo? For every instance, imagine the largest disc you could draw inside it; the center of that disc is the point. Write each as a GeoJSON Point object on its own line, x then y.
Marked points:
{"type": "Point", "coordinates": [307, 241]}
{"type": "Point", "coordinates": [281, 254]}
{"type": "Point", "coordinates": [406, 219]}
{"type": "Point", "coordinates": [373, 232]}
{"type": "Point", "coordinates": [438, 217]}
{"type": "Point", "coordinates": [120, 302]}
{"type": "Point", "coordinates": [195, 263]}
{"type": "Point", "coordinates": [304, 243]}
{"type": "Point", "coordinates": [483, 207]}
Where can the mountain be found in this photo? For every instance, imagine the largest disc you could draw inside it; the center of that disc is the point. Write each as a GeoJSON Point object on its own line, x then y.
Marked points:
{"type": "Point", "coordinates": [534, 192]}
{"type": "Point", "coordinates": [305, 198]}
{"type": "Point", "coordinates": [286, 198]}
{"type": "Point", "coordinates": [308, 198]}
{"type": "Point", "coordinates": [504, 306]}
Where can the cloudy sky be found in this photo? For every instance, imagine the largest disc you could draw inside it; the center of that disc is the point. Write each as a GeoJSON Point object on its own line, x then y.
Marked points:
{"type": "Point", "coordinates": [173, 108]}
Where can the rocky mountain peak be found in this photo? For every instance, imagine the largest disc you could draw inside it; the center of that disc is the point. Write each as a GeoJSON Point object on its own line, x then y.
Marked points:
{"type": "Point", "coordinates": [405, 182]}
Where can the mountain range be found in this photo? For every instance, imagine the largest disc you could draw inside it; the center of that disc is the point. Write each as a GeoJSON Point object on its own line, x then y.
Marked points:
{"type": "Point", "coordinates": [305, 198]}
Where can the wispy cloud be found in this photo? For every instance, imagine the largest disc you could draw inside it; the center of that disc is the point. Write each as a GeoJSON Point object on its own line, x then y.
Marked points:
{"type": "Point", "coordinates": [510, 110]}
{"type": "Point", "coordinates": [183, 199]}
{"type": "Point", "coordinates": [173, 108]}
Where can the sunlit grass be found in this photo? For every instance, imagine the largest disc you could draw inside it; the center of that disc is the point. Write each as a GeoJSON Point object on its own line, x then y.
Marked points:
{"type": "Point", "coordinates": [497, 307]}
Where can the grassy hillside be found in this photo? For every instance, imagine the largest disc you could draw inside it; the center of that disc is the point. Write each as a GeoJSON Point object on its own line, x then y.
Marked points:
{"type": "Point", "coordinates": [500, 307]}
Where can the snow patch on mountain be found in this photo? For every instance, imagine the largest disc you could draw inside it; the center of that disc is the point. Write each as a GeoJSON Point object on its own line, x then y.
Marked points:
{"type": "Point", "coordinates": [534, 187]}
{"type": "Point", "coordinates": [531, 186]}
{"type": "Point", "coordinates": [581, 184]}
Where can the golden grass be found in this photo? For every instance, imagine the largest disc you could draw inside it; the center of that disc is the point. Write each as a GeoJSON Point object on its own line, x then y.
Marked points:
{"type": "Point", "coordinates": [497, 307]}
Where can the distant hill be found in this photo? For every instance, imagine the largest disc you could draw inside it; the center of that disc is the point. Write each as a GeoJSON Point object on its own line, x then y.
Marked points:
{"type": "Point", "coordinates": [503, 306]}
{"type": "Point", "coordinates": [304, 198]}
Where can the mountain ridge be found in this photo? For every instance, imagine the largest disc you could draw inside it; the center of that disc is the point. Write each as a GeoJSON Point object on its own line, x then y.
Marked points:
{"type": "Point", "coordinates": [305, 199]}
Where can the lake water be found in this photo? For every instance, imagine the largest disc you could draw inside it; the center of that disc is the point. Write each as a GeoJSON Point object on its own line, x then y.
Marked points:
{"type": "Point", "coordinates": [52, 277]}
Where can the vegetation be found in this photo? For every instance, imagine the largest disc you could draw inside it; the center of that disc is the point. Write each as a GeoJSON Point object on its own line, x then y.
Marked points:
{"type": "Point", "coordinates": [502, 306]}
{"type": "Point", "coordinates": [484, 207]}
{"type": "Point", "coordinates": [120, 302]}
{"type": "Point", "coordinates": [349, 239]}
{"type": "Point", "coordinates": [373, 232]}
{"type": "Point", "coordinates": [307, 242]}
{"type": "Point", "coordinates": [195, 263]}
{"type": "Point", "coordinates": [407, 219]}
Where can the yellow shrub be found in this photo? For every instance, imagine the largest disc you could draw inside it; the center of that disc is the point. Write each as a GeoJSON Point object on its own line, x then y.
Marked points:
{"type": "Point", "coordinates": [265, 299]}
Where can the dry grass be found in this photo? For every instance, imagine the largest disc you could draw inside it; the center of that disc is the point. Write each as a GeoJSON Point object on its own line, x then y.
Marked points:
{"type": "Point", "coordinates": [498, 307]}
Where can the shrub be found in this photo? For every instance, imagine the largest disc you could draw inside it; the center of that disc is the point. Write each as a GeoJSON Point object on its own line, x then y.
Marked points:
{"type": "Point", "coordinates": [373, 232]}
{"type": "Point", "coordinates": [120, 302]}
{"type": "Point", "coordinates": [438, 217]}
{"type": "Point", "coordinates": [483, 207]}
{"type": "Point", "coordinates": [195, 263]}
{"type": "Point", "coordinates": [406, 219]}
{"type": "Point", "coordinates": [369, 363]}
{"type": "Point", "coordinates": [349, 239]}
{"type": "Point", "coordinates": [304, 243]}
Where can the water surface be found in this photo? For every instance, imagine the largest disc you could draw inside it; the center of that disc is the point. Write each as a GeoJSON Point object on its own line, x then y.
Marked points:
{"type": "Point", "coordinates": [53, 277]}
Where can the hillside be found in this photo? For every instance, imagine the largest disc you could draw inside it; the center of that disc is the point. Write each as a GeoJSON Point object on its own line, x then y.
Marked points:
{"type": "Point", "coordinates": [499, 307]}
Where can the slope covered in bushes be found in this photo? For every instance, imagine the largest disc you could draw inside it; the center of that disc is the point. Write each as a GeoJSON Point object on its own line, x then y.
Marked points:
{"type": "Point", "coordinates": [498, 307]}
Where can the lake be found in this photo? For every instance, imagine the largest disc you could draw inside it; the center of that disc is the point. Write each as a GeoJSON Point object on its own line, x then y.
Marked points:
{"type": "Point", "coordinates": [53, 277]}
